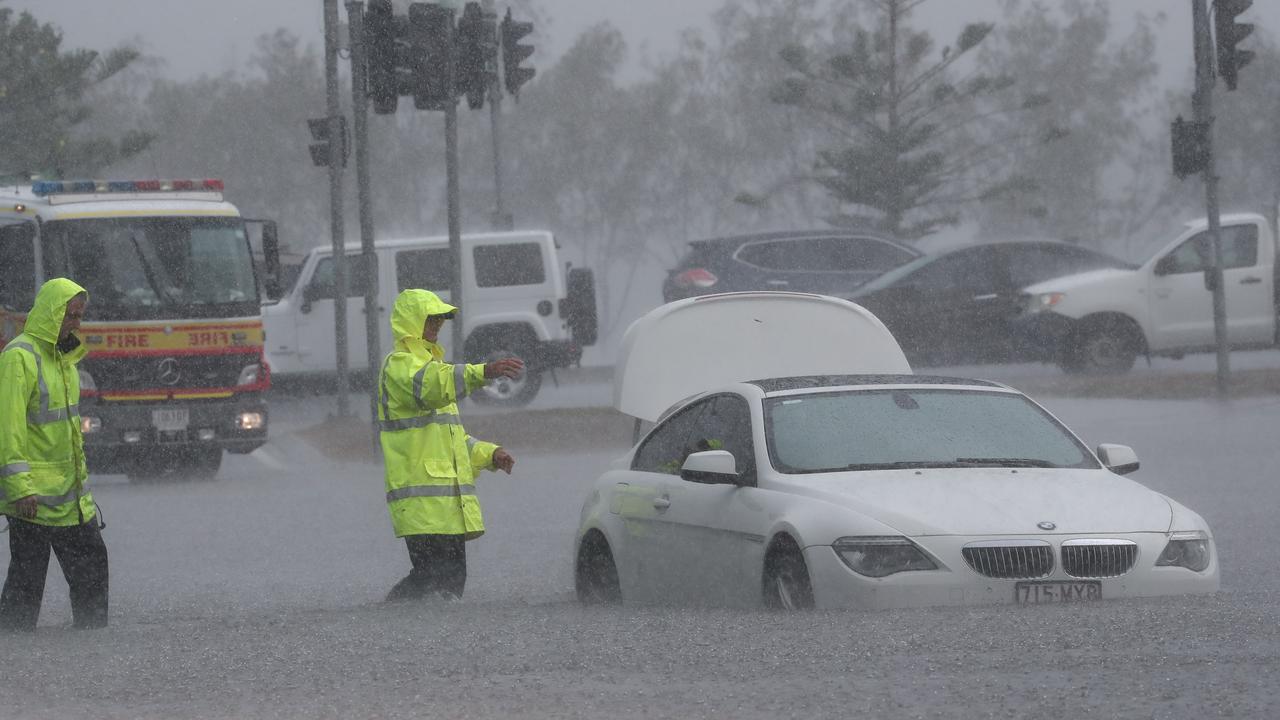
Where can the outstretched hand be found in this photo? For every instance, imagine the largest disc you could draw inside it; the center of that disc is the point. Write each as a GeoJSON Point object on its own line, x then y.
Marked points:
{"type": "Point", "coordinates": [503, 461]}
{"type": "Point", "coordinates": [506, 367]}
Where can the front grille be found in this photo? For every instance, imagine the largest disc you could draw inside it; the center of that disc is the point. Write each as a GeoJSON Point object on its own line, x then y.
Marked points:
{"type": "Point", "coordinates": [1010, 558]}
{"type": "Point", "coordinates": [1098, 558]}
{"type": "Point", "coordinates": [146, 373]}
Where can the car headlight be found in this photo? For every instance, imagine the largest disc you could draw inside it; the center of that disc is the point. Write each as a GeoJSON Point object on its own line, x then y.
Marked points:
{"type": "Point", "coordinates": [878, 556]}
{"type": "Point", "coordinates": [1189, 550]}
{"type": "Point", "coordinates": [1044, 301]}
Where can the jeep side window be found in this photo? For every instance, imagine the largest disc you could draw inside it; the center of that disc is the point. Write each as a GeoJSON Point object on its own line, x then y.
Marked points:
{"type": "Point", "coordinates": [509, 264]}
{"type": "Point", "coordinates": [17, 266]}
{"type": "Point", "coordinates": [358, 275]}
{"type": "Point", "coordinates": [426, 269]}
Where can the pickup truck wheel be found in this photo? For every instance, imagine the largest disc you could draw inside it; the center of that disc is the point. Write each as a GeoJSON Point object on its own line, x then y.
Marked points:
{"type": "Point", "coordinates": [1101, 350]}
{"type": "Point", "coordinates": [508, 392]}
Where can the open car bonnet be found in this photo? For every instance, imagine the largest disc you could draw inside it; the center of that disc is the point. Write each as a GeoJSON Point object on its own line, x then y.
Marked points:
{"type": "Point", "coordinates": [689, 346]}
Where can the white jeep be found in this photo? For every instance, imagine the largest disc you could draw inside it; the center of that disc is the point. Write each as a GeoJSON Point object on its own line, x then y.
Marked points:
{"type": "Point", "coordinates": [517, 299]}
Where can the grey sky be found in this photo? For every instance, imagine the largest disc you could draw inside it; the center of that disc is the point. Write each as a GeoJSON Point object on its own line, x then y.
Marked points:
{"type": "Point", "coordinates": [210, 37]}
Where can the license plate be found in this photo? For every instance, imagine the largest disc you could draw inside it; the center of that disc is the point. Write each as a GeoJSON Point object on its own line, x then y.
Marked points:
{"type": "Point", "coordinates": [170, 419]}
{"type": "Point", "coordinates": [1041, 593]}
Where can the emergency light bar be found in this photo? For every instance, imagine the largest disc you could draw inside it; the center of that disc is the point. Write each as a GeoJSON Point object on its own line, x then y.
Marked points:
{"type": "Point", "coordinates": [55, 187]}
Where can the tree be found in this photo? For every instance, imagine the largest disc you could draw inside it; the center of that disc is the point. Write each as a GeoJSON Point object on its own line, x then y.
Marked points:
{"type": "Point", "coordinates": [897, 110]}
{"type": "Point", "coordinates": [43, 102]}
{"type": "Point", "coordinates": [1107, 166]}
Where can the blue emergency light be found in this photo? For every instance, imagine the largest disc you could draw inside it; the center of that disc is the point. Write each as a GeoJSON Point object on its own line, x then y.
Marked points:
{"type": "Point", "coordinates": [57, 187]}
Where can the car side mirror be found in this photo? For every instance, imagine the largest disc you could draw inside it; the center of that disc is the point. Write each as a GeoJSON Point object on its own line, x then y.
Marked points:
{"type": "Point", "coordinates": [710, 466]}
{"type": "Point", "coordinates": [1119, 459]}
{"type": "Point", "coordinates": [310, 294]}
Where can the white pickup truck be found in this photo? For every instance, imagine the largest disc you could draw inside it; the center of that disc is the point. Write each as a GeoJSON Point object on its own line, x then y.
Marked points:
{"type": "Point", "coordinates": [1101, 321]}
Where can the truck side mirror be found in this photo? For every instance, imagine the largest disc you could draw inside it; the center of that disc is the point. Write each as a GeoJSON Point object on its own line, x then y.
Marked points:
{"type": "Point", "coordinates": [271, 258]}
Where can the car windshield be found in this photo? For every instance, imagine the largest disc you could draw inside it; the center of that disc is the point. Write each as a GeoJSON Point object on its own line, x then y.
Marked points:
{"type": "Point", "coordinates": [915, 428]}
{"type": "Point", "coordinates": [158, 267]}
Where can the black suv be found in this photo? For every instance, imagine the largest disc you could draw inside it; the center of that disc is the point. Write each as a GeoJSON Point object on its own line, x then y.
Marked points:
{"type": "Point", "coordinates": [830, 262]}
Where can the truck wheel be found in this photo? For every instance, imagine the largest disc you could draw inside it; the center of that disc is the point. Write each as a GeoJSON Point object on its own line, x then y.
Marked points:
{"type": "Point", "coordinates": [1106, 349]}
{"type": "Point", "coordinates": [508, 392]}
{"type": "Point", "coordinates": [203, 464]}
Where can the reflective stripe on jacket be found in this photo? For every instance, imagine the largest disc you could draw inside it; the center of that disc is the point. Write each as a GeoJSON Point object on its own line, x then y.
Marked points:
{"type": "Point", "coordinates": [430, 461]}
{"type": "Point", "coordinates": [41, 447]}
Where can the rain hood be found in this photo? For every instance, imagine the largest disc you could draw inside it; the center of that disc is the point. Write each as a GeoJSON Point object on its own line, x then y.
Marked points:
{"type": "Point", "coordinates": [410, 314]}
{"type": "Point", "coordinates": [45, 319]}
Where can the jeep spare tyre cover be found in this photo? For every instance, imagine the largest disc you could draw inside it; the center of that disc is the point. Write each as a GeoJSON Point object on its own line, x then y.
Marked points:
{"type": "Point", "coordinates": [692, 345]}
{"type": "Point", "coordinates": [580, 306]}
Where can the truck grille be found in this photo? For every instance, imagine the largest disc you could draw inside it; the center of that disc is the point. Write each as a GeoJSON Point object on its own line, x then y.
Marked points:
{"type": "Point", "coordinates": [1098, 558]}
{"type": "Point", "coordinates": [147, 373]}
{"type": "Point", "coordinates": [1010, 558]}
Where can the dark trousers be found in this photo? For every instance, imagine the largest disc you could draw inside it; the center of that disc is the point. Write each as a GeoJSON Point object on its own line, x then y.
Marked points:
{"type": "Point", "coordinates": [439, 567]}
{"type": "Point", "coordinates": [83, 557]}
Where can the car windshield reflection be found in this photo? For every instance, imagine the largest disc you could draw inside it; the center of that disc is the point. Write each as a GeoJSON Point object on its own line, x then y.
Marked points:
{"type": "Point", "coordinates": [916, 428]}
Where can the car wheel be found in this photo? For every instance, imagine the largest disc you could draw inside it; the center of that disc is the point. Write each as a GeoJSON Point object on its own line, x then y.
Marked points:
{"type": "Point", "coordinates": [595, 573]}
{"type": "Point", "coordinates": [786, 579]}
{"type": "Point", "coordinates": [509, 392]}
{"type": "Point", "coordinates": [1108, 349]}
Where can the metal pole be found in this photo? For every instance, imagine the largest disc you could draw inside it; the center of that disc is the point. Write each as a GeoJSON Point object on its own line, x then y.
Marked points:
{"type": "Point", "coordinates": [335, 199]}
{"type": "Point", "coordinates": [1202, 104]}
{"type": "Point", "coordinates": [501, 221]}
{"type": "Point", "coordinates": [455, 225]}
{"type": "Point", "coordinates": [360, 111]}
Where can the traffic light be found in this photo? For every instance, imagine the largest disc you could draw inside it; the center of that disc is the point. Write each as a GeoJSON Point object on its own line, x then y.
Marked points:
{"type": "Point", "coordinates": [1190, 147]}
{"type": "Point", "coordinates": [477, 57]}
{"type": "Point", "coordinates": [513, 53]}
{"type": "Point", "coordinates": [1227, 34]}
{"type": "Point", "coordinates": [431, 55]}
{"type": "Point", "coordinates": [322, 148]}
{"type": "Point", "coordinates": [384, 54]}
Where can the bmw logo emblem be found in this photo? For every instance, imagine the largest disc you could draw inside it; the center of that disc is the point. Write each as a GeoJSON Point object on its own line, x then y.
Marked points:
{"type": "Point", "coordinates": [1046, 525]}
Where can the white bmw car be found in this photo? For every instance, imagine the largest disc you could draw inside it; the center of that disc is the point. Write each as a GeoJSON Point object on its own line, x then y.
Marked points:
{"type": "Point", "coordinates": [820, 472]}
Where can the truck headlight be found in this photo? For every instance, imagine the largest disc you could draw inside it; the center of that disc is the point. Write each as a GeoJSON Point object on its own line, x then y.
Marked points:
{"type": "Point", "coordinates": [1189, 550]}
{"type": "Point", "coordinates": [250, 421]}
{"type": "Point", "coordinates": [90, 424]}
{"type": "Point", "coordinates": [1044, 301]}
{"type": "Point", "coordinates": [881, 556]}
{"type": "Point", "coordinates": [250, 374]}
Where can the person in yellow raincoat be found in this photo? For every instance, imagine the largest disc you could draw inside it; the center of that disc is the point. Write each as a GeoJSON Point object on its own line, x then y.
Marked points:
{"type": "Point", "coordinates": [42, 466]}
{"type": "Point", "coordinates": [430, 461]}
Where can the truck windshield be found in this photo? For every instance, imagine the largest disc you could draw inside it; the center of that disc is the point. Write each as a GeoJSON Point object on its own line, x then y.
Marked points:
{"type": "Point", "coordinates": [157, 267]}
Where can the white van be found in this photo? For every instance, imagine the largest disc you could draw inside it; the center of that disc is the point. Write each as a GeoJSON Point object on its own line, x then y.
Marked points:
{"type": "Point", "coordinates": [517, 299]}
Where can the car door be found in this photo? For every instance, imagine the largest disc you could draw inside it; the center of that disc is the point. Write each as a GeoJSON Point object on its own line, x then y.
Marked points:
{"type": "Point", "coordinates": [1182, 305]}
{"type": "Point", "coordinates": [955, 309]}
{"type": "Point", "coordinates": [714, 532]}
{"type": "Point", "coordinates": [317, 345]}
{"type": "Point", "coordinates": [642, 500]}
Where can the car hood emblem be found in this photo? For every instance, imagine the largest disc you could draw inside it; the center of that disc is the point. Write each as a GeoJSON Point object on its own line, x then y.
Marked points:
{"type": "Point", "coordinates": [1046, 525]}
{"type": "Point", "coordinates": [167, 371]}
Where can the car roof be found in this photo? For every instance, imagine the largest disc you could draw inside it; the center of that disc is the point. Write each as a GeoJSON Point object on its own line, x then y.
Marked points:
{"type": "Point", "coordinates": [805, 382]}
{"type": "Point", "coordinates": [689, 346]}
{"type": "Point", "coordinates": [730, 241]}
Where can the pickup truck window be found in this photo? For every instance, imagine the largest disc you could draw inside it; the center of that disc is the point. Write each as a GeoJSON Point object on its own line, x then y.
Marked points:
{"type": "Point", "coordinates": [1239, 249]}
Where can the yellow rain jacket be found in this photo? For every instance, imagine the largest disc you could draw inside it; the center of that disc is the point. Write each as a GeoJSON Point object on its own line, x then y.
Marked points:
{"type": "Point", "coordinates": [41, 448]}
{"type": "Point", "coordinates": [430, 461]}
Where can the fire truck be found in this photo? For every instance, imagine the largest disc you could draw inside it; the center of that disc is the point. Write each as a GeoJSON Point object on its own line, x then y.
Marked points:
{"type": "Point", "coordinates": [175, 374]}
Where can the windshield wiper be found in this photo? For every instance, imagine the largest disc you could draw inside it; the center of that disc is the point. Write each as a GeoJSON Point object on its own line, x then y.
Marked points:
{"type": "Point", "coordinates": [1006, 462]}
{"type": "Point", "coordinates": [902, 464]}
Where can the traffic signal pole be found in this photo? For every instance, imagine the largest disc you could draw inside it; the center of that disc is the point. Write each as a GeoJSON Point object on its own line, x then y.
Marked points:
{"type": "Point", "coordinates": [1202, 104]}
{"type": "Point", "coordinates": [360, 113]}
{"type": "Point", "coordinates": [501, 220]}
{"type": "Point", "coordinates": [335, 200]}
